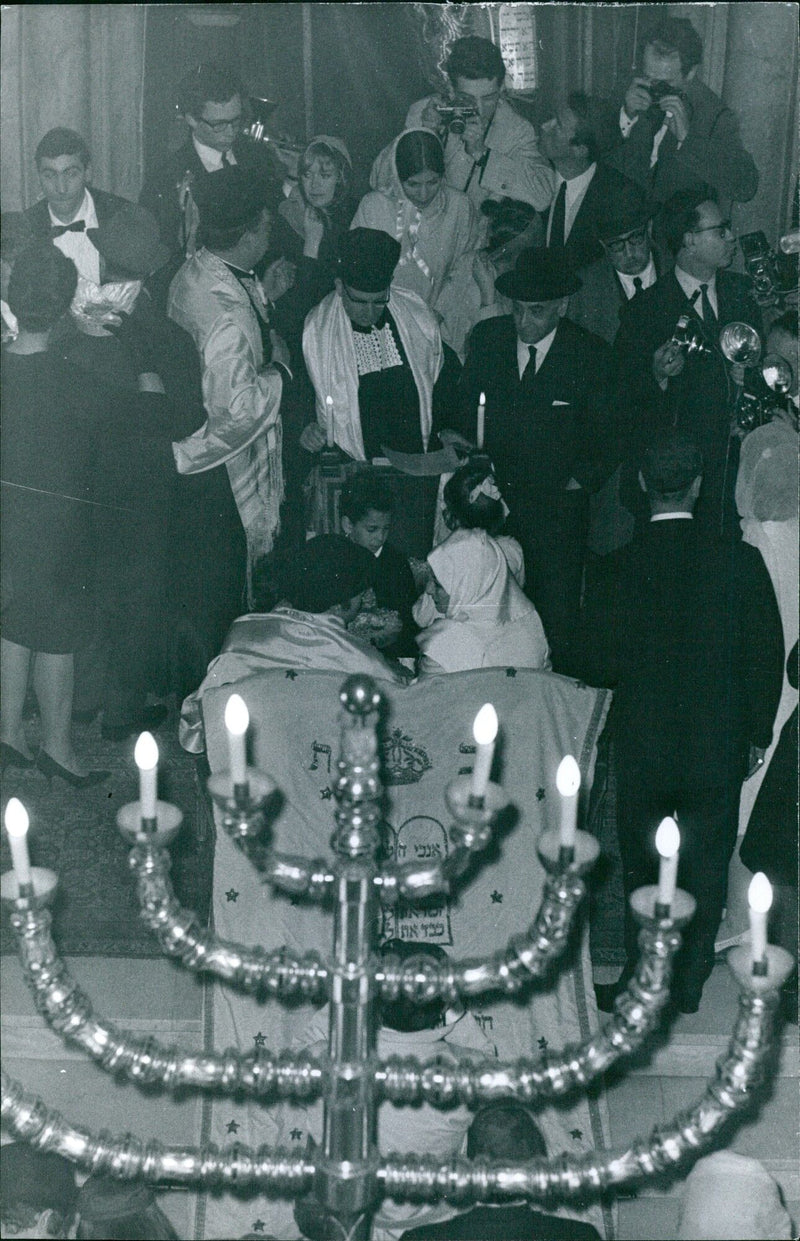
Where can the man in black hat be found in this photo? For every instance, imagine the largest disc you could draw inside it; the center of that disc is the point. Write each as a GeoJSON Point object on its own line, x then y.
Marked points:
{"type": "Point", "coordinates": [219, 300]}
{"type": "Point", "coordinates": [696, 657]}
{"type": "Point", "coordinates": [375, 356]}
{"type": "Point", "coordinates": [547, 430]}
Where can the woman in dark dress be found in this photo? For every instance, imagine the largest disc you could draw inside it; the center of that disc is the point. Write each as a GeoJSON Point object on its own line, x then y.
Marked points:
{"type": "Point", "coordinates": [49, 431]}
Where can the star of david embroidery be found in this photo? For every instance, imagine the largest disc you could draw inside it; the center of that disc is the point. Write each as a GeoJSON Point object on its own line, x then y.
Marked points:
{"type": "Point", "coordinates": [292, 676]}
{"type": "Point", "coordinates": [232, 1126]}
{"type": "Point", "coordinates": [259, 1039]}
{"type": "Point", "coordinates": [497, 898]}
{"type": "Point", "coordinates": [326, 794]}
{"type": "Point", "coordinates": [511, 672]}
{"type": "Point", "coordinates": [296, 1135]}
{"type": "Point", "coordinates": [259, 1225]}
{"type": "Point", "coordinates": [540, 794]}
{"type": "Point", "coordinates": [542, 1044]}
{"type": "Point", "coordinates": [232, 895]}
{"type": "Point", "coordinates": [576, 1134]}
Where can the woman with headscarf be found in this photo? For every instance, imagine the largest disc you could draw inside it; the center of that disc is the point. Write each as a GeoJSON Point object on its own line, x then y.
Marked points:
{"type": "Point", "coordinates": [474, 613]}
{"type": "Point", "coordinates": [410, 201]}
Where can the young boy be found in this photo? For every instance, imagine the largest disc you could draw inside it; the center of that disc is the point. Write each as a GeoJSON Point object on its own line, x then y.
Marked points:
{"type": "Point", "coordinates": [366, 506]}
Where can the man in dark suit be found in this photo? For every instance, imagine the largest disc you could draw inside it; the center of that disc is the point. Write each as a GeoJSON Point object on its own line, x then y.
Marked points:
{"type": "Point", "coordinates": [695, 649]}
{"type": "Point", "coordinates": [212, 102]}
{"type": "Point", "coordinates": [663, 385]}
{"type": "Point", "coordinates": [72, 210]}
{"type": "Point", "coordinates": [573, 140]}
{"type": "Point", "coordinates": [546, 430]}
{"type": "Point", "coordinates": [674, 131]}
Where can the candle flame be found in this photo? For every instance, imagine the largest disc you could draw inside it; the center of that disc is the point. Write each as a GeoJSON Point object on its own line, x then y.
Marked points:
{"type": "Point", "coordinates": [16, 817]}
{"type": "Point", "coordinates": [482, 399]}
{"type": "Point", "coordinates": [237, 717]}
{"type": "Point", "coordinates": [146, 752]}
{"type": "Point", "coordinates": [668, 838]}
{"type": "Point", "coordinates": [484, 730]}
{"type": "Point", "coordinates": [759, 894]}
{"type": "Point", "coordinates": [568, 777]}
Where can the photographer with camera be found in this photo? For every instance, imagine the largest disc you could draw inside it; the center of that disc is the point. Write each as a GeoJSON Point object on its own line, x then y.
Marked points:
{"type": "Point", "coordinates": [675, 132]}
{"type": "Point", "coordinates": [669, 368]}
{"type": "Point", "coordinates": [490, 151]}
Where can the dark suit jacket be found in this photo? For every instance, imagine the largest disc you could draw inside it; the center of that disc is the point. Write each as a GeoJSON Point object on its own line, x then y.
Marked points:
{"type": "Point", "coordinates": [160, 195]}
{"type": "Point", "coordinates": [105, 205]}
{"type": "Point", "coordinates": [510, 1223]}
{"type": "Point", "coordinates": [545, 429]}
{"type": "Point", "coordinates": [696, 651]}
{"type": "Point", "coordinates": [697, 402]}
{"type": "Point", "coordinates": [583, 245]}
{"type": "Point", "coordinates": [712, 153]}
{"type": "Point", "coordinates": [598, 304]}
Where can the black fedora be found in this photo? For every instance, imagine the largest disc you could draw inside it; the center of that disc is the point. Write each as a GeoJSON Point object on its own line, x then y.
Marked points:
{"type": "Point", "coordinates": [623, 212]}
{"type": "Point", "coordinates": [538, 276]}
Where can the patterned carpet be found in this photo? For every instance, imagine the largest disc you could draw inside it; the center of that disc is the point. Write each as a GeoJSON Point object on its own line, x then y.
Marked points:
{"type": "Point", "coordinates": [74, 833]}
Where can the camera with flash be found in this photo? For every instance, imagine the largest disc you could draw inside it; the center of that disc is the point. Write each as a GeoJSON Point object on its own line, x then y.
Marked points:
{"type": "Point", "coordinates": [688, 337]}
{"type": "Point", "coordinates": [456, 115]}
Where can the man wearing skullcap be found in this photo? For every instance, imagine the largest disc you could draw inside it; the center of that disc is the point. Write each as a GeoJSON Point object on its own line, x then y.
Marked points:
{"type": "Point", "coordinates": [377, 353]}
{"type": "Point", "coordinates": [38, 1194]}
{"type": "Point", "coordinates": [217, 297]}
{"type": "Point", "coordinates": [730, 1197]}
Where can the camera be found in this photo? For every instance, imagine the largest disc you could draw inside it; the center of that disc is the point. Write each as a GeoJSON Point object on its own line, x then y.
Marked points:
{"type": "Point", "coordinates": [455, 116]}
{"type": "Point", "coordinates": [773, 275]}
{"type": "Point", "coordinates": [660, 88]}
{"type": "Point", "coordinates": [688, 337]}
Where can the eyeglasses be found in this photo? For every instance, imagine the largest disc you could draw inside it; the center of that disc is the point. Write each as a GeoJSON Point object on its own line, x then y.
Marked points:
{"type": "Point", "coordinates": [218, 127]}
{"type": "Point", "coordinates": [722, 228]}
{"type": "Point", "coordinates": [621, 244]}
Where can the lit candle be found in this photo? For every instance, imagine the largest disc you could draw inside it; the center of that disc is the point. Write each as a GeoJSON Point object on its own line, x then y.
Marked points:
{"type": "Point", "coordinates": [484, 730]}
{"type": "Point", "coordinates": [329, 421]}
{"type": "Point", "coordinates": [568, 783]}
{"type": "Point", "coordinates": [237, 722]}
{"type": "Point", "coordinates": [16, 820]}
{"type": "Point", "coordinates": [759, 897]}
{"type": "Point", "coordinates": [668, 842]}
{"type": "Point", "coordinates": [481, 420]}
{"type": "Point", "coordinates": [146, 758]}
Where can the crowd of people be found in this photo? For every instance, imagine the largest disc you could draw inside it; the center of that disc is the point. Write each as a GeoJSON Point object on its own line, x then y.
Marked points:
{"type": "Point", "coordinates": [479, 418]}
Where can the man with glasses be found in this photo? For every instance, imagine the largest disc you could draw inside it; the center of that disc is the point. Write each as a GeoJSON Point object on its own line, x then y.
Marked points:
{"type": "Point", "coordinates": [674, 131]}
{"type": "Point", "coordinates": [375, 357]}
{"type": "Point", "coordinates": [662, 383]}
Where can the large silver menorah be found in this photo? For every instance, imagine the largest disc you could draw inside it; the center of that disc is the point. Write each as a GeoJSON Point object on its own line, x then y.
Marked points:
{"type": "Point", "coordinates": [348, 1175]}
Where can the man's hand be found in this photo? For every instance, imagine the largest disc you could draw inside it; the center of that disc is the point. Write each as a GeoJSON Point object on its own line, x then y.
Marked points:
{"type": "Point", "coordinates": [676, 115]}
{"type": "Point", "coordinates": [280, 350]}
{"type": "Point", "coordinates": [313, 232]}
{"type": "Point", "coordinates": [755, 760]}
{"type": "Point", "coordinates": [430, 118]}
{"type": "Point", "coordinates": [473, 136]}
{"type": "Point", "coordinates": [278, 277]}
{"type": "Point", "coordinates": [668, 361]}
{"type": "Point", "coordinates": [638, 98]}
{"type": "Point", "coordinates": [484, 274]}
{"type": "Point", "coordinates": [312, 438]}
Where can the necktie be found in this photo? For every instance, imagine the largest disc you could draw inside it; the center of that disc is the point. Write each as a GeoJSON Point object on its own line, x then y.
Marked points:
{"type": "Point", "coordinates": [530, 369]}
{"type": "Point", "coordinates": [58, 230]}
{"type": "Point", "coordinates": [556, 241]}
{"type": "Point", "coordinates": [637, 285]}
{"type": "Point", "coordinates": [706, 312]}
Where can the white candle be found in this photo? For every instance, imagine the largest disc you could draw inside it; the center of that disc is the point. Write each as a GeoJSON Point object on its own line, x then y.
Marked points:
{"type": "Point", "coordinates": [16, 820]}
{"type": "Point", "coordinates": [759, 897]}
{"type": "Point", "coordinates": [668, 842]}
{"type": "Point", "coordinates": [329, 421]}
{"type": "Point", "coordinates": [481, 420]}
{"type": "Point", "coordinates": [146, 758]}
{"type": "Point", "coordinates": [484, 730]}
{"type": "Point", "coordinates": [568, 783]}
{"type": "Point", "coordinates": [237, 722]}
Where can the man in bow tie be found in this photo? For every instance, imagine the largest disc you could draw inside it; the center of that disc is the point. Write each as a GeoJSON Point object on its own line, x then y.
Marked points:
{"type": "Point", "coordinates": [70, 212]}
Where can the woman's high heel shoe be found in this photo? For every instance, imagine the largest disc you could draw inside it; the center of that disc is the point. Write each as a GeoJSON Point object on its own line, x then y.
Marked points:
{"type": "Point", "coordinates": [9, 757]}
{"type": "Point", "coordinates": [49, 767]}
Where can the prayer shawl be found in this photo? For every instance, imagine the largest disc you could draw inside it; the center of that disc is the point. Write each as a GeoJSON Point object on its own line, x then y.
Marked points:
{"type": "Point", "coordinates": [330, 357]}
{"type": "Point", "coordinates": [432, 239]}
{"type": "Point", "coordinates": [242, 401]}
{"type": "Point", "coordinates": [427, 742]}
{"type": "Point", "coordinates": [489, 621]}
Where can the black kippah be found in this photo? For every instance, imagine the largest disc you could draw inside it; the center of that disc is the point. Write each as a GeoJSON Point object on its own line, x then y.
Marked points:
{"type": "Point", "coordinates": [367, 259]}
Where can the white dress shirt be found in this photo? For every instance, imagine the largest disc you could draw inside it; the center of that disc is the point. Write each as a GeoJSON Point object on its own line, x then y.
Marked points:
{"type": "Point", "coordinates": [647, 277]}
{"type": "Point", "coordinates": [211, 159]}
{"type": "Point", "coordinates": [542, 347]}
{"type": "Point", "coordinates": [691, 287]}
{"type": "Point", "coordinates": [77, 246]}
{"type": "Point", "coordinates": [626, 125]}
{"type": "Point", "coordinates": [681, 516]}
{"type": "Point", "coordinates": [575, 194]}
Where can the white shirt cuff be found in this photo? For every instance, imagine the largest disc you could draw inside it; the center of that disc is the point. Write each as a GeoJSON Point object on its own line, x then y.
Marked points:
{"type": "Point", "coordinates": [625, 122]}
